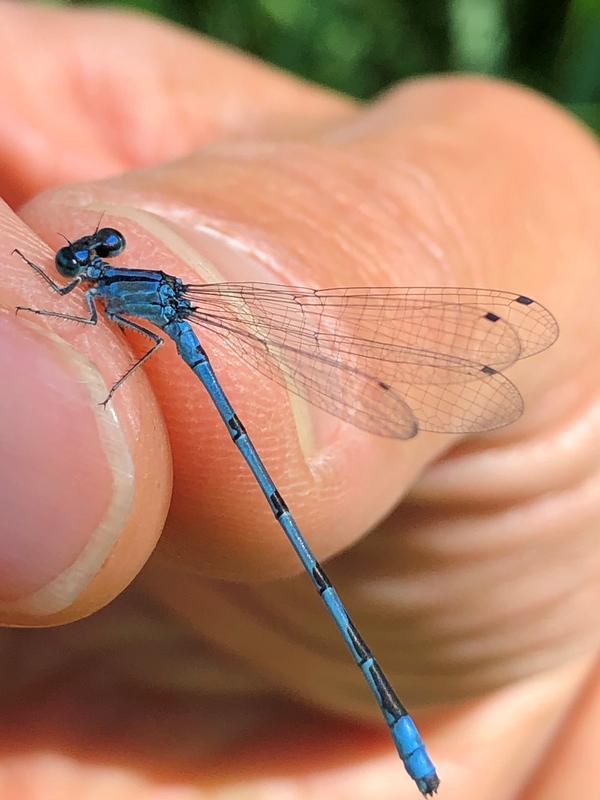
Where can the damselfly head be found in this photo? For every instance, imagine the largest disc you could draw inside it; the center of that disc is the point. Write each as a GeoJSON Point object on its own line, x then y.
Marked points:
{"type": "Point", "coordinates": [75, 257]}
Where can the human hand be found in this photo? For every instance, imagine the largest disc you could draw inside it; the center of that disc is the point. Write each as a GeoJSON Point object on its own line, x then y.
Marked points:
{"type": "Point", "coordinates": [478, 582]}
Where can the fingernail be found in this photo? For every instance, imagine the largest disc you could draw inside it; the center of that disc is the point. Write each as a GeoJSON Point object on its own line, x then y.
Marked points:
{"type": "Point", "coordinates": [66, 471]}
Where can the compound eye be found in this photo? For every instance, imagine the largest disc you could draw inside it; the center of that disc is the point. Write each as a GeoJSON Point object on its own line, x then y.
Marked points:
{"type": "Point", "coordinates": [109, 242]}
{"type": "Point", "coordinates": [69, 263]}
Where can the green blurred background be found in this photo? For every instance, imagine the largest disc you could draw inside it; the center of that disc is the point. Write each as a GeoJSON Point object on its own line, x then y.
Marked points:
{"type": "Point", "coordinates": [362, 46]}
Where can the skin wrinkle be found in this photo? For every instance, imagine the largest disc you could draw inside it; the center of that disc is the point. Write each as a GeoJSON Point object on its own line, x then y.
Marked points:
{"type": "Point", "coordinates": [431, 191]}
{"type": "Point", "coordinates": [486, 670]}
{"type": "Point", "coordinates": [450, 631]}
{"type": "Point", "coordinates": [512, 663]}
{"type": "Point", "coordinates": [449, 604]}
{"type": "Point", "coordinates": [518, 462]}
{"type": "Point", "coordinates": [485, 533]}
{"type": "Point", "coordinates": [503, 616]}
{"type": "Point", "coordinates": [506, 656]}
{"type": "Point", "coordinates": [405, 197]}
{"type": "Point", "coordinates": [265, 253]}
{"type": "Point", "coordinates": [540, 608]}
{"type": "Point", "coordinates": [491, 545]}
{"type": "Point", "coordinates": [426, 183]}
{"type": "Point", "coordinates": [457, 199]}
{"type": "Point", "coordinates": [125, 638]}
{"type": "Point", "coordinates": [356, 167]}
{"type": "Point", "coordinates": [141, 217]}
{"type": "Point", "coordinates": [234, 618]}
{"type": "Point", "coordinates": [300, 213]}
{"type": "Point", "coordinates": [441, 484]}
{"type": "Point", "coordinates": [370, 214]}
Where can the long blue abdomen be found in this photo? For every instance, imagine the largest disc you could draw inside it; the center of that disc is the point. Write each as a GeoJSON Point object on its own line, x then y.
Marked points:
{"type": "Point", "coordinates": [404, 732]}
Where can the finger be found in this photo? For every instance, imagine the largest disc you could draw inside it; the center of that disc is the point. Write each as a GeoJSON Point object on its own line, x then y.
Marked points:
{"type": "Point", "coordinates": [69, 491]}
{"type": "Point", "coordinates": [267, 205]}
{"type": "Point", "coordinates": [181, 92]}
{"type": "Point", "coordinates": [261, 213]}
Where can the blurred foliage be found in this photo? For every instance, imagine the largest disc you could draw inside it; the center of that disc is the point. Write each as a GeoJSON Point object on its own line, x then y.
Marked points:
{"type": "Point", "coordinates": [362, 46]}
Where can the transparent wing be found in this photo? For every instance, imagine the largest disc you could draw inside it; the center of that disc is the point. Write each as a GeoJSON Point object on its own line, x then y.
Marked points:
{"type": "Point", "coordinates": [388, 360]}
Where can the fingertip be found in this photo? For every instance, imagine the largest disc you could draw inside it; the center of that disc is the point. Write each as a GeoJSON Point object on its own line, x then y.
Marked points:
{"type": "Point", "coordinates": [77, 486]}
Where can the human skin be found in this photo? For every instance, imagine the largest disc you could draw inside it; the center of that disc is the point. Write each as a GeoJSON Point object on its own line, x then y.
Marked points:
{"type": "Point", "coordinates": [470, 565]}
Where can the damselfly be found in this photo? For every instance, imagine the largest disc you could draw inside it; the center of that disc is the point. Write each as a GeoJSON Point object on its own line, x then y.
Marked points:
{"type": "Point", "coordinates": [391, 361]}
